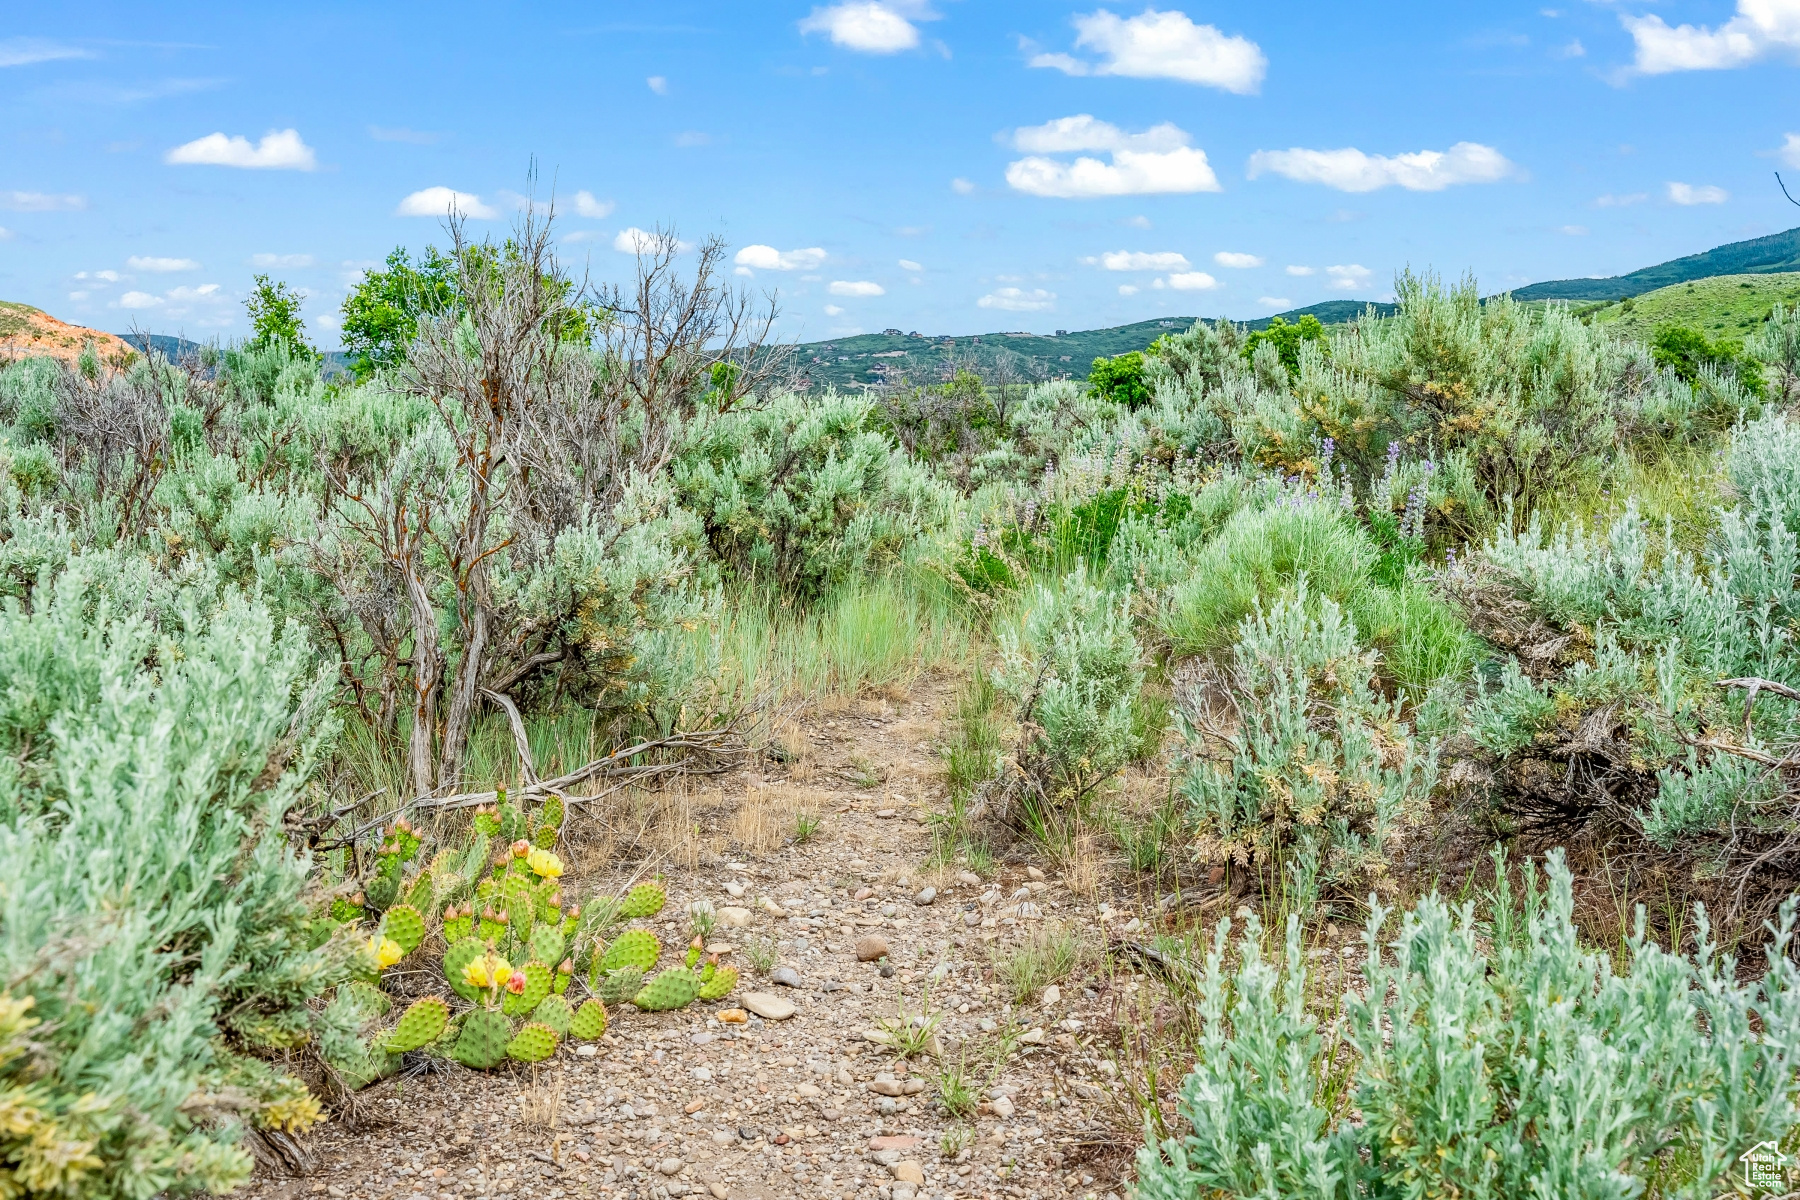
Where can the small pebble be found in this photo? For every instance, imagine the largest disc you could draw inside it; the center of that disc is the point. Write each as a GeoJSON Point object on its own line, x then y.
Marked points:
{"type": "Point", "coordinates": [733, 1016]}
{"type": "Point", "coordinates": [968, 879]}
{"type": "Point", "coordinates": [1052, 995]}
{"type": "Point", "coordinates": [1003, 1107]}
{"type": "Point", "coordinates": [886, 813]}
{"type": "Point", "coordinates": [871, 947]}
{"type": "Point", "coordinates": [1034, 873]}
{"type": "Point", "coordinates": [887, 970]}
{"type": "Point", "coordinates": [669, 1166]}
{"type": "Point", "coordinates": [735, 890]}
{"type": "Point", "coordinates": [785, 976]}
{"type": "Point", "coordinates": [926, 896]}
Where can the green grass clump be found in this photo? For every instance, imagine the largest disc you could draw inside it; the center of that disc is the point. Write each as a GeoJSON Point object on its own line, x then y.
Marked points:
{"type": "Point", "coordinates": [1258, 556]}
{"type": "Point", "coordinates": [1725, 305]}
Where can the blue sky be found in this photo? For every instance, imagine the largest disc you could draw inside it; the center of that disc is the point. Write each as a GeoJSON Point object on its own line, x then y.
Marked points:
{"type": "Point", "coordinates": [946, 166]}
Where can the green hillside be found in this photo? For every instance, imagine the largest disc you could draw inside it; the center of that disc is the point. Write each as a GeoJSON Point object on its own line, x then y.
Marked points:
{"type": "Point", "coordinates": [874, 357]}
{"type": "Point", "coordinates": [1725, 306]}
{"type": "Point", "coordinates": [1778, 252]}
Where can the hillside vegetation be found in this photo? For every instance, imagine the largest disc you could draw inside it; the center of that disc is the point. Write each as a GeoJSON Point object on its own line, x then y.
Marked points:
{"type": "Point", "coordinates": [1776, 253]}
{"type": "Point", "coordinates": [1471, 625]}
{"type": "Point", "coordinates": [1734, 306]}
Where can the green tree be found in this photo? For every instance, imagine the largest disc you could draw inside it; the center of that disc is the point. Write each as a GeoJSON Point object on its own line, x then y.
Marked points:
{"type": "Point", "coordinates": [274, 310]}
{"type": "Point", "coordinates": [1684, 350]}
{"type": "Point", "coordinates": [1287, 339]}
{"type": "Point", "coordinates": [1120, 379]}
{"type": "Point", "coordinates": [381, 313]}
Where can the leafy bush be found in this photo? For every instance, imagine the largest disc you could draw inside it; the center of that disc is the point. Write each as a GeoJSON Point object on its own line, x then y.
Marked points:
{"type": "Point", "coordinates": [1120, 379]}
{"type": "Point", "coordinates": [153, 743]}
{"type": "Point", "coordinates": [1286, 339]}
{"type": "Point", "coordinates": [1313, 779]}
{"type": "Point", "coordinates": [1686, 351]}
{"type": "Point", "coordinates": [1530, 1068]}
{"type": "Point", "coordinates": [801, 492]}
{"type": "Point", "coordinates": [1073, 668]}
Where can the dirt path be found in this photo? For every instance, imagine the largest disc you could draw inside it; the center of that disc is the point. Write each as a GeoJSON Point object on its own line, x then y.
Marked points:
{"type": "Point", "coordinates": [681, 1104]}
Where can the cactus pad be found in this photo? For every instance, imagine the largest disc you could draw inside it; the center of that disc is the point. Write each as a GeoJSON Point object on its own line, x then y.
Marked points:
{"type": "Point", "coordinates": [422, 895]}
{"type": "Point", "coordinates": [620, 986]}
{"type": "Point", "coordinates": [547, 944]}
{"type": "Point", "coordinates": [346, 908]}
{"type": "Point", "coordinates": [537, 986]}
{"type": "Point", "coordinates": [720, 985]}
{"type": "Point", "coordinates": [370, 1000]}
{"type": "Point", "coordinates": [383, 890]}
{"type": "Point", "coordinates": [556, 1013]}
{"type": "Point", "coordinates": [405, 925]}
{"type": "Point", "coordinates": [644, 900]}
{"type": "Point", "coordinates": [634, 948]}
{"type": "Point", "coordinates": [482, 1043]}
{"type": "Point", "coordinates": [533, 1043]}
{"type": "Point", "coordinates": [674, 988]}
{"type": "Point", "coordinates": [458, 928]}
{"type": "Point", "coordinates": [419, 1026]}
{"type": "Point", "coordinates": [551, 815]}
{"type": "Point", "coordinates": [545, 837]}
{"type": "Point", "coordinates": [460, 955]}
{"type": "Point", "coordinates": [565, 972]}
{"type": "Point", "coordinates": [521, 913]}
{"type": "Point", "coordinates": [589, 1024]}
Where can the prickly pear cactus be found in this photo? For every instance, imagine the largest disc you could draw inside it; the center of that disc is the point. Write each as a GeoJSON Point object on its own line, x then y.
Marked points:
{"type": "Point", "coordinates": [620, 986]}
{"type": "Point", "coordinates": [556, 1013]}
{"type": "Point", "coordinates": [406, 925]}
{"type": "Point", "coordinates": [382, 890]}
{"type": "Point", "coordinates": [461, 954]}
{"type": "Point", "coordinates": [720, 985]}
{"type": "Point", "coordinates": [644, 900]}
{"type": "Point", "coordinates": [486, 822]}
{"type": "Point", "coordinates": [459, 923]}
{"type": "Point", "coordinates": [551, 815]}
{"type": "Point", "coordinates": [348, 908]}
{"type": "Point", "coordinates": [533, 1043]}
{"type": "Point", "coordinates": [547, 943]}
{"type": "Point", "coordinates": [589, 1024]}
{"type": "Point", "coordinates": [565, 972]}
{"type": "Point", "coordinates": [537, 981]}
{"type": "Point", "coordinates": [492, 926]}
{"type": "Point", "coordinates": [482, 1043]}
{"type": "Point", "coordinates": [674, 988]}
{"type": "Point", "coordinates": [695, 949]}
{"type": "Point", "coordinates": [512, 821]}
{"type": "Point", "coordinates": [422, 895]}
{"type": "Point", "coordinates": [366, 996]}
{"type": "Point", "coordinates": [634, 948]}
{"type": "Point", "coordinates": [419, 1026]}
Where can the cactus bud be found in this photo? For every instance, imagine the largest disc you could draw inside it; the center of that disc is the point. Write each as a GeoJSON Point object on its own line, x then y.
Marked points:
{"type": "Point", "coordinates": [521, 848]}
{"type": "Point", "coordinates": [575, 911]}
{"type": "Point", "coordinates": [450, 912]}
{"type": "Point", "coordinates": [515, 983]}
{"type": "Point", "coordinates": [359, 900]}
{"type": "Point", "coordinates": [566, 967]}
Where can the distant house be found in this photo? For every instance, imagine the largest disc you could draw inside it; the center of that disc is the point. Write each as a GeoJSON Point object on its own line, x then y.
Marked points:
{"type": "Point", "coordinates": [892, 333]}
{"type": "Point", "coordinates": [915, 333]}
{"type": "Point", "coordinates": [1062, 333]}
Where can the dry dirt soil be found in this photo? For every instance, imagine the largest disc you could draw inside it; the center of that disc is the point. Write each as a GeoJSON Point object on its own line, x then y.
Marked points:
{"type": "Point", "coordinates": [684, 1104]}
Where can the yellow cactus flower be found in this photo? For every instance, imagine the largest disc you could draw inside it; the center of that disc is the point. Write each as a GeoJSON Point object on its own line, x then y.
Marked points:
{"type": "Point", "coordinates": [490, 970]}
{"type": "Point", "coordinates": [385, 951]}
{"type": "Point", "coordinates": [545, 864]}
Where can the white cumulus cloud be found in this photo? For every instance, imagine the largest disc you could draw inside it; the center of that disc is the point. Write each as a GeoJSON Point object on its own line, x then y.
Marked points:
{"type": "Point", "coordinates": [856, 287]}
{"type": "Point", "coordinates": [1350, 170]}
{"type": "Point", "coordinates": [871, 26]}
{"type": "Point", "coordinates": [832, 310]}
{"type": "Point", "coordinates": [1349, 277]}
{"type": "Point", "coordinates": [1301, 271]}
{"type": "Point", "coordinates": [1615, 201]}
{"type": "Point", "coordinates": [1012, 299]}
{"type": "Point", "coordinates": [907, 264]}
{"type": "Point", "coordinates": [42, 201]}
{"type": "Point", "coordinates": [1789, 150]}
{"type": "Point", "coordinates": [289, 261]}
{"type": "Point", "coordinates": [587, 206]}
{"type": "Point", "coordinates": [768, 258]}
{"type": "Point", "coordinates": [1237, 261]}
{"type": "Point", "coordinates": [1128, 289]}
{"type": "Point", "coordinates": [139, 262]}
{"type": "Point", "coordinates": [1697, 193]}
{"type": "Point", "coordinates": [1188, 281]}
{"type": "Point", "coordinates": [139, 300]}
{"type": "Point", "coordinates": [5, 233]}
{"type": "Point", "coordinates": [658, 84]}
{"type": "Point", "coordinates": [961, 187]}
{"type": "Point", "coordinates": [1761, 27]}
{"type": "Point", "coordinates": [1277, 302]}
{"type": "Point", "coordinates": [632, 240]}
{"type": "Point", "coordinates": [1139, 260]}
{"type": "Point", "coordinates": [442, 201]}
{"type": "Point", "coordinates": [279, 150]}
{"type": "Point", "coordinates": [1160, 159]}
{"type": "Point", "coordinates": [1162, 45]}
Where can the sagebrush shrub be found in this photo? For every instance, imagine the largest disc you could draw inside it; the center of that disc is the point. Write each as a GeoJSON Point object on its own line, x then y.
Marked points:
{"type": "Point", "coordinates": [1074, 670]}
{"type": "Point", "coordinates": [1484, 1061]}
{"type": "Point", "coordinates": [153, 741]}
{"type": "Point", "coordinates": [1314, 778]}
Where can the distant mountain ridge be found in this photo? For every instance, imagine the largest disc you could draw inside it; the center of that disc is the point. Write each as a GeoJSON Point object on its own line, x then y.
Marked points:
{"type": "Point", "coordinates": [1773, 254]}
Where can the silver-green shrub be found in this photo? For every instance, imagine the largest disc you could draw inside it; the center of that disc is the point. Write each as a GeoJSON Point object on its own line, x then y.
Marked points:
{"type": "Point", "coordinates": [1484, 1062]}
{"type": "Point", "coordinates": [153, 740]}
{"type": "Point", "coordinates": [1311, 778]}
{"type": "Point", "coordinates": [1073, 668]}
